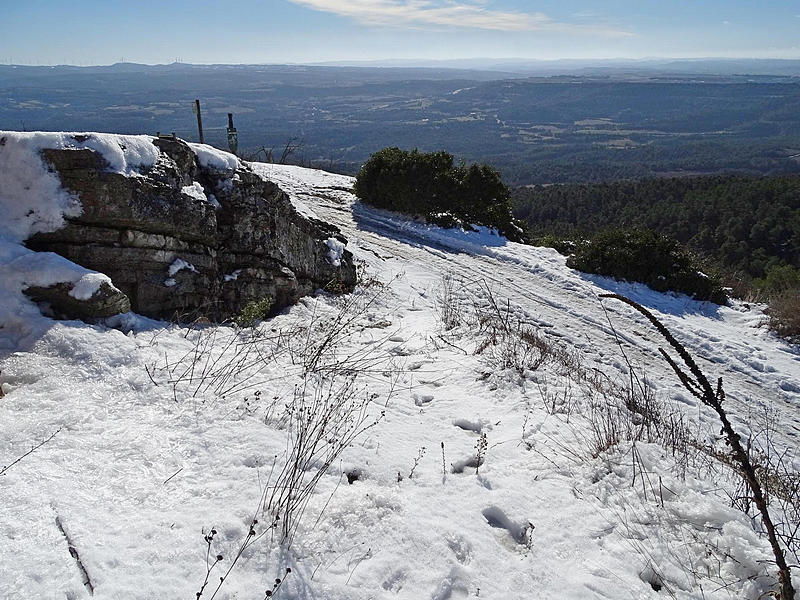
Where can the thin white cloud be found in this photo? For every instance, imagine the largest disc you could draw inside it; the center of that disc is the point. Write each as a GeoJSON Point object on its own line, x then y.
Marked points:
{"type": "Point", "coordinates": [449, 13]}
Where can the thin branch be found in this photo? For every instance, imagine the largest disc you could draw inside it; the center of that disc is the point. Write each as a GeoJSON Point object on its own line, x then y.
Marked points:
{"type": "Point", "coordinates": [29, 452]}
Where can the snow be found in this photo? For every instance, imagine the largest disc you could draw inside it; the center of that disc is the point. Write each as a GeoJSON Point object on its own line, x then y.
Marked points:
{"type": "Point", "coordinates": [197, 192]}
{"type": "Point", "coordinates": [335, 251]}
{"type": "Point", "coordinates": [31, 198]}
{"type": "Point", "coordinates": [178, 265]}
{"type": "Point", "coordinates": [212, 158]}
{"type": "Point", "coordinates": [320, 180]}
{"type": "Point", "coordinates": [20, 268]}
{"type": "Point", "coordinates": [166, 431]}
{"type": "Point", "coordinates": [126, 154]}
{"type": "Point", "coordinates": [88, 285]}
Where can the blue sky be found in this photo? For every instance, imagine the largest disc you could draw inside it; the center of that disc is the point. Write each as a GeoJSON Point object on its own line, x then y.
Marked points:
{"type": "Point", "coordinates": [270, 31]}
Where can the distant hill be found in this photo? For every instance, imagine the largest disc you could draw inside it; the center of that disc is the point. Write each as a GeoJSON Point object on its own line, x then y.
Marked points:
{"type": "Point", "coordinates": [652, 66]}
{"type": "Point", "coordinates": [574, 121]}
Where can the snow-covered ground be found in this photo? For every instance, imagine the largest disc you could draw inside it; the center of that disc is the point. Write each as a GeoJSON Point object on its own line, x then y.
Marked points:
{"type": "Point", "coordinates": [464, 478]}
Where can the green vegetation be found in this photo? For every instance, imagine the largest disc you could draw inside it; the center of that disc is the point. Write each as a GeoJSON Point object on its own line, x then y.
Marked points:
{"type": "Point", "coordinates": [648, 257]}
{"type": "Point", "coordinates": [254, 311]}
{"type": "Point", "coordinates": [779, 280]}
{"type": "Point", "coordinates": [746, 225]}
{"type": "Point", "coordinates": [429, 185]}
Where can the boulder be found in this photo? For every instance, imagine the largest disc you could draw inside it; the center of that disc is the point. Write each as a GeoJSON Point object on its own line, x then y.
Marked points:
{"type": "Point", "coordinates": [186, 240]}
{"type": "Point", "coordinates": [107, 301]}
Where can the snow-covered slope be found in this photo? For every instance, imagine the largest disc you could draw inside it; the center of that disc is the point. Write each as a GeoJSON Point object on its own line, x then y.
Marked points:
{"type": "Point", "coordinates": [466, 476]}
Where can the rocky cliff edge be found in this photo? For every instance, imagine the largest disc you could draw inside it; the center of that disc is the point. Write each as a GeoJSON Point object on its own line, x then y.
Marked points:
{"type": "Point", "coordinates": [182, 230]}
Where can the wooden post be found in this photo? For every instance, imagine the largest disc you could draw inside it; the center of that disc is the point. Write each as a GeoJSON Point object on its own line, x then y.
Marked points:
{"type": "Point", "coordinates": [199, 119]}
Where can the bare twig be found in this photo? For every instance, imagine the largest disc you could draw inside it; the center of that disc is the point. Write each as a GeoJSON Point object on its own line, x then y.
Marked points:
{"type": "Point", "coordinates": [29, 452]}
{"type": "Point", "coordinates": [73, 551]}
{"type": "Point", "coordinates": [698, 385]}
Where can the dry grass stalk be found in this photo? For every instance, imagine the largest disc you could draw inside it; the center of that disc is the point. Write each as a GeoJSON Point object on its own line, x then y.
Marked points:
{"type": "Point", "coordinates": [698, 385]}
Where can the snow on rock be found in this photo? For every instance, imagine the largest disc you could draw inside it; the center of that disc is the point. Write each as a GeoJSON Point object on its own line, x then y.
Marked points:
{"type": "Point", "coordinates": [126, 154]}
{"type": "Point", "coordinates": [300, 181]}
{"type": "Point", "coordinates": [212, 158]}
{"type": "Point", "coordinates": [178, 265]}
{"type": "Point", "coordinates": [21, 269]}
{"type": "Point", "coordinates": [335, 251]}
{"type": "Point", "coordinates": [88, 285]}
{"type": "Point", "coordinates": [31, 198]}
{"type": "Point", "coordinates": [33, 201]}
{"type": "Point", "coordinates": [197, 192]}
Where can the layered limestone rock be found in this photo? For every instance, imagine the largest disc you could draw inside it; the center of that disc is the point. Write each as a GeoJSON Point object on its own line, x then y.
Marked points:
{"type": "Point", "coordinates": [188, 237]}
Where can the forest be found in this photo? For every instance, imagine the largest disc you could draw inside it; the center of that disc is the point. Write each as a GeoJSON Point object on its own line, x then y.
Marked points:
{"type": "Point", "coordinates": [744, 225]}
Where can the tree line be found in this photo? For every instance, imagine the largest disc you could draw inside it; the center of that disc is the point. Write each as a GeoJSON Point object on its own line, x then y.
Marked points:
{"type": "Point", "coordinates": [747, 225]}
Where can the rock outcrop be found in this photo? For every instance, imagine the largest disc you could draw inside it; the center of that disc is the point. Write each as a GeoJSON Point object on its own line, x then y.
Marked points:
{"type": "Point", "coordinates": [185, 239]}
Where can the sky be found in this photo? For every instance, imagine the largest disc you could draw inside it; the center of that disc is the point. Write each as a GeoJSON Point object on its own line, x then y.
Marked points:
{"type": "Point", "coordinates": [87, 32]}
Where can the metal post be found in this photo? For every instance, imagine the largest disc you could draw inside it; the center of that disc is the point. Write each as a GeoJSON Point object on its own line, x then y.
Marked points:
{"type": "Point", "coordinates": [199, 120]}
{"type": "Point", "coordinates": [233, 137]}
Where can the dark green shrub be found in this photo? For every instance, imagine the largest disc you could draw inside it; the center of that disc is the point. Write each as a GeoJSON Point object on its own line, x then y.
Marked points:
{"type": "Point", "coordinates": [779, 279]}
{"type": "Point", "coordinates": [254, 311]}
{"type": "Point", "coordinates": [562, 245]}
{"type": "Point", "coordinates": [656, 260]}
{"type": "Point", "coordinates": [410, 182]}
{"type": "Point", "coordinates": [428, 185]}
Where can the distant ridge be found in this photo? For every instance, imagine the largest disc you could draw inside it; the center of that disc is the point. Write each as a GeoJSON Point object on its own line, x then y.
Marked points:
{"type": "Point", "coordinates": [716, 66]}
{"type": "Point", "coordinates": [499, 67]}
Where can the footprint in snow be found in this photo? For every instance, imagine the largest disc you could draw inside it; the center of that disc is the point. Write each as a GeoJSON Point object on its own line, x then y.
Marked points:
{"type": "Point", "coordinates": [422, 399]}
{"type": "Point", "coordinates": [788, 386]}
{"type": "Point", "coordinates": [455, 585]}
{"type": "Point", "coordinates": [471, 462]}
{"type": "Point", "coordinates": [401, 350]}
{"type": "Point", "coordinates": [395, 581]}
{"type": "Point", "coordinates": [379, 324]}
{"type": "Point", "coordinates": [434, 382]}
{"type": "Point", "coordinates": [477, 425]}
{"type": "Point", "coordinates": [497, 518]}
{"type": "Point", "coordinates": [461, 548]}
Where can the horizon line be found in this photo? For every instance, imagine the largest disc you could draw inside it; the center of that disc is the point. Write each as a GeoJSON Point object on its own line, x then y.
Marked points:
{"type": "Point", "coordinates": [353, 61]}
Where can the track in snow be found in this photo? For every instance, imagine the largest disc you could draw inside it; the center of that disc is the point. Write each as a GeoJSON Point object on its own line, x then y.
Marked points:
{"type": "Point", "coordinates": [758, 370]}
